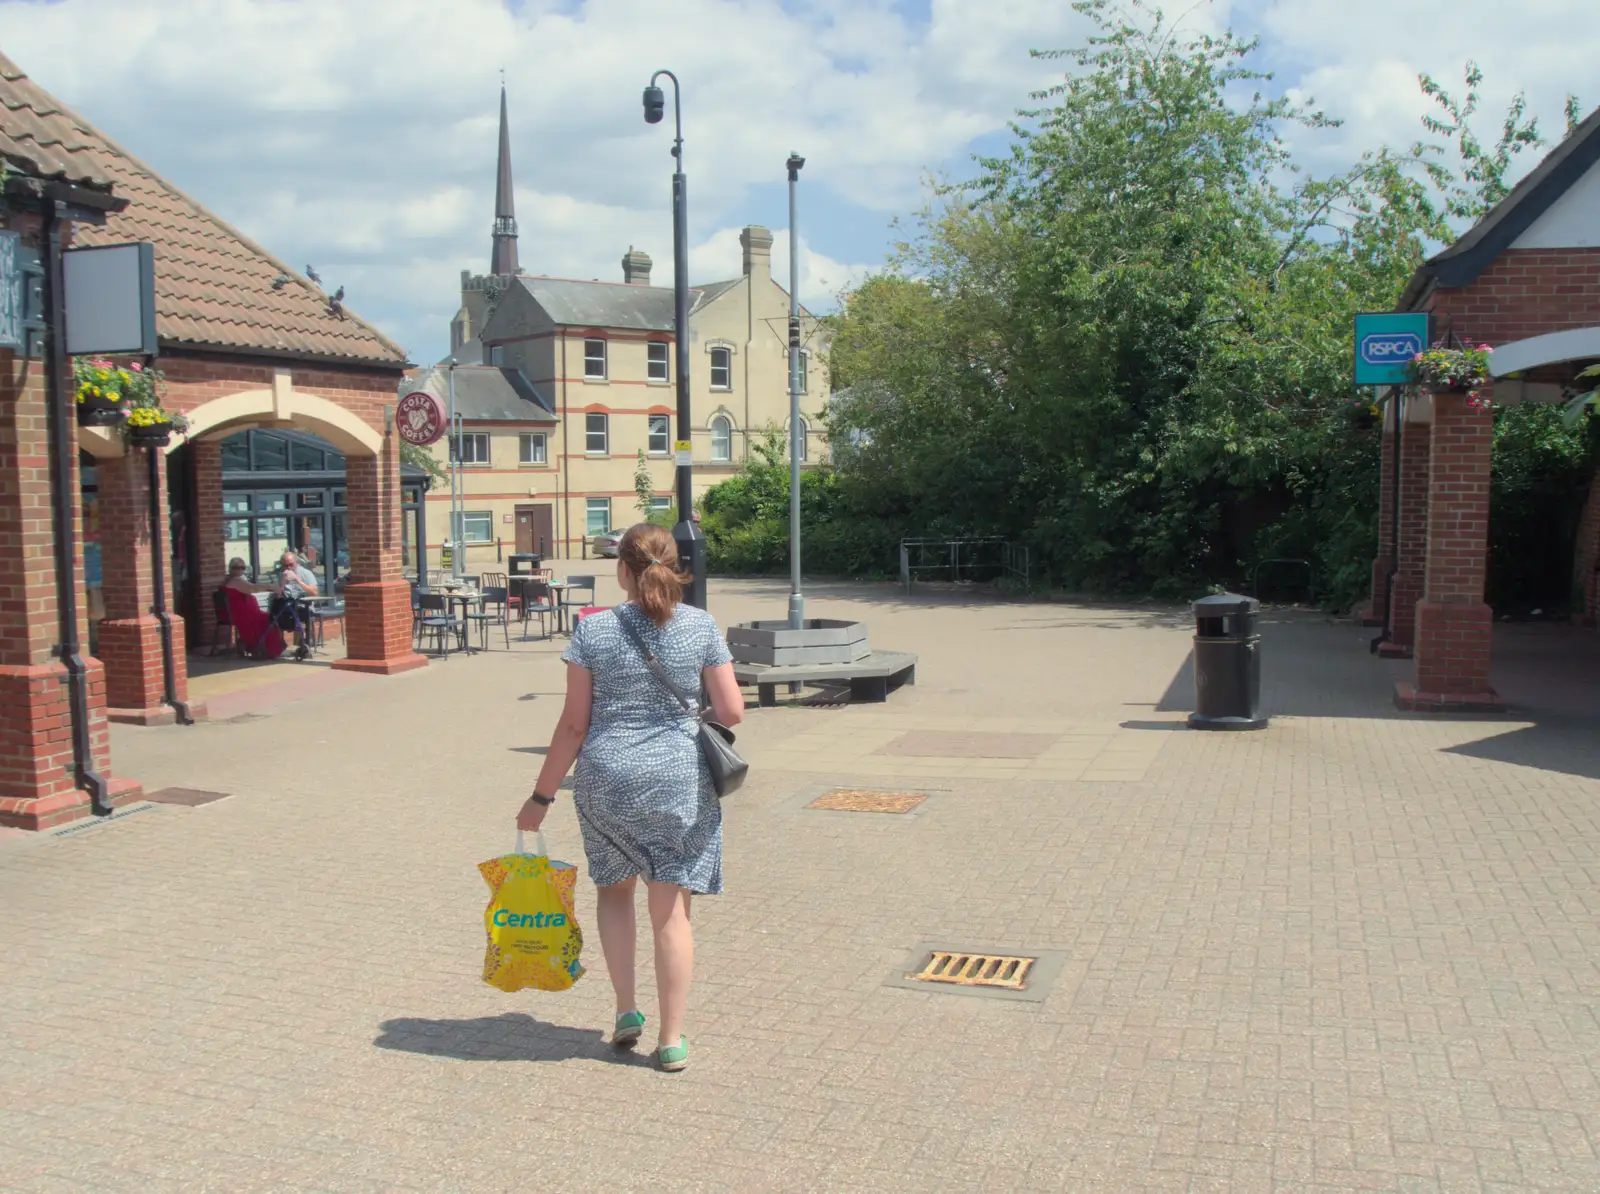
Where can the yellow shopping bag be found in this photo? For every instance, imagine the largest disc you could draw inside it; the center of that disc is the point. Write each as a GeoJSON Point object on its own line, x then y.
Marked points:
{"type": "Point", "coordinates": [534, 939]}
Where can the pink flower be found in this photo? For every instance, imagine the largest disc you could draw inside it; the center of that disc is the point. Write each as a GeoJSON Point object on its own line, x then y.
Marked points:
{"type": "Point", "coordinates": [136, 367]}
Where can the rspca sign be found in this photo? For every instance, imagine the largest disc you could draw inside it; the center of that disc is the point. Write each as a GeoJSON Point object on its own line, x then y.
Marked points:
{"type": "Point", "coordinates": [1385, 345]}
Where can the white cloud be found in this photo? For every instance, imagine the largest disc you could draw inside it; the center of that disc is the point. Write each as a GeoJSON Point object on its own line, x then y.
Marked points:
{"type": "Point", "coordinates": [359, 135]}
{"type": "Point", "coordinates": [821, 277]}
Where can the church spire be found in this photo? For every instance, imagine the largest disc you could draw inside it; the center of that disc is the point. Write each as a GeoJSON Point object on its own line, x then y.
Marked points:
{"type": "Point", "coordinates": [504, 257]}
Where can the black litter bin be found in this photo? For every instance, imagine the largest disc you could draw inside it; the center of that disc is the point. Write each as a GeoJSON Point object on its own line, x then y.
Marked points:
{"type": "Point", "coordinates": [1227, 664]}
{"type": "Point", "coordinates": [523, 564]}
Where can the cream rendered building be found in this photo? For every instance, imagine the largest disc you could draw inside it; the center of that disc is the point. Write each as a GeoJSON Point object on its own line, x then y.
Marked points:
{"type": "Point", "coordinates": [589, 366]}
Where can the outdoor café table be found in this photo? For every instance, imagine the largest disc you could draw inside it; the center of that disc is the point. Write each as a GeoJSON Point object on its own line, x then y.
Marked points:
{"type": "Point", "coordinates": [558, 590]}
{"type": "Point", "coordinates": [465, 598]}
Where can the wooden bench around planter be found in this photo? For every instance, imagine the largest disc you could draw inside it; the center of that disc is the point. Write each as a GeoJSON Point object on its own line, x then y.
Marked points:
{"type": "Point", "coordinates": [870, 679]}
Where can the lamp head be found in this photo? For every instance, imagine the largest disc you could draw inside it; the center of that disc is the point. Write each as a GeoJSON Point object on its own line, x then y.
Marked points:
{"type": "Point", "coordinates": [795, 162]}
{"type": "Point", "coordinates": [655, 104]}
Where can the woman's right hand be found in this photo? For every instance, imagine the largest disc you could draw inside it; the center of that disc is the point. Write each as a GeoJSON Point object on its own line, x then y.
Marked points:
{"type": "Point", "coordinates": [531, 815]}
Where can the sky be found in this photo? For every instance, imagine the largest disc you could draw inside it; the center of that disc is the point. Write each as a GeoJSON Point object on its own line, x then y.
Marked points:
{"type": "Point", "coordinates": [359, 136]}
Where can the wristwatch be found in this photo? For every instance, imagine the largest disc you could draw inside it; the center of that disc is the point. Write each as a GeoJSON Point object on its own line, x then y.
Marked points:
{"type": "Point", "coordinates": [547, 801]}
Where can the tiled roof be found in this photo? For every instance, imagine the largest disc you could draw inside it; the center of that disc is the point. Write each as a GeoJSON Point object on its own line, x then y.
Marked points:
{"type": "Point", "coordinates": [213, 283]}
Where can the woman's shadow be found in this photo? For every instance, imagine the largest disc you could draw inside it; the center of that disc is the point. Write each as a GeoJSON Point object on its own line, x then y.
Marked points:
{"type": "Point", "coordinates": [512, 1036]}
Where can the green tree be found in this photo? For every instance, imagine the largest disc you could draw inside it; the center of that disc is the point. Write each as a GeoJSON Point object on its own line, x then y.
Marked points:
{"type": "Point", "coordinates": [1127, 344]}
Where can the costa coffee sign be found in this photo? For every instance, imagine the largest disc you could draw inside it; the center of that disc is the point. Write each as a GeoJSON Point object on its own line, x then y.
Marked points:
{"type": "Point", "coordinates": [420, 418]}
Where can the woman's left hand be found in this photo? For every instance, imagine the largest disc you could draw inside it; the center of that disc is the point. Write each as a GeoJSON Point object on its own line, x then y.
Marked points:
{"type": "Point", "coordinates": [531, 815]}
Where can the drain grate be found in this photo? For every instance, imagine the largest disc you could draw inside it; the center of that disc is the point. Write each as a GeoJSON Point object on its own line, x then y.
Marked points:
{"type": "Point", "coordinates": [1002, 971]}
{"type": "Point", "coordinates": [85, 824]}
{"type": "Point", "coordinates": [189, 797]}
{"type": "Point", "coordinates": [855, 800]}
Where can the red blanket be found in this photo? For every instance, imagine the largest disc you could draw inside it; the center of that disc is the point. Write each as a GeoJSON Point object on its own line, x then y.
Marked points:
{"type": "Point", "coordinates": [254, 628]}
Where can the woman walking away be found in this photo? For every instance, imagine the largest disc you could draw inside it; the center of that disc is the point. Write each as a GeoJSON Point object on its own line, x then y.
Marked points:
{"type": "Point", "coordinates": [645, 802]}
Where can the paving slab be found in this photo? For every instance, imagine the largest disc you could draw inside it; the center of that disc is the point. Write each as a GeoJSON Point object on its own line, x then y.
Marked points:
{"type": "Point", "coordinates": [1357, 950]}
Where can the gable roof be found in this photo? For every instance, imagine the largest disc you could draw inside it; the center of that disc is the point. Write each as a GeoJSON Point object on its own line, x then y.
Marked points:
{"type": "Point", "coordinates": [571, 303]}
{"type": "Point", "coordinates": [213, 283]}
{"type": "Point", "coordinates": [1476, 249]}
{"type": "Point", "coordinates": [487, 393]}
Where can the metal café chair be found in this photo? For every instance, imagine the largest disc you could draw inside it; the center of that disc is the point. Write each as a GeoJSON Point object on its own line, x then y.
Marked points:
{"type": "Point", "coordinates": [536, 599]}
{"type": "Point", "coordinates": [436, 622]}
{"type": "Point", "coordinates": [571, 600]}
{"type": "Point", "coordinates": [222, 638]}
{"type": "Point", "coordinates": [494, 606]}
{"type": "Point", "coordinates": [499, 580]}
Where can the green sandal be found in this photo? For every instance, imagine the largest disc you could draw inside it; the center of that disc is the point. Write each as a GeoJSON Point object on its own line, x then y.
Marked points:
{"type": "Point", "coordinates": [673, 1058]}
{"type": "Point", "coordinates": [630, 1027]}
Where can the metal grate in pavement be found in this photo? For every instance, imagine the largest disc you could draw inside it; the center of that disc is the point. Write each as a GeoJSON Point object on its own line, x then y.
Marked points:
{"type": "Point", "coordinates": [855, 800]}
{"type": "Point", "coordinates": [975, 970]}
{"type": "Point", "coordinates": [88, 823]}
{"type": "Point", "coordinates": [188, 797]}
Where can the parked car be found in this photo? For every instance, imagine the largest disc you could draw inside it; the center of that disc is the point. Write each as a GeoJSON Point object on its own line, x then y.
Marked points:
{"type": "Point", "coordinates": [607, 543]}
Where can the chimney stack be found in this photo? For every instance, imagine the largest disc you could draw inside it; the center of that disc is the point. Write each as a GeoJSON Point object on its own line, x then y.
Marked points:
{"type": "Point", "coordinates": [756, 242]}
{"type": "Point", "coordinates": [636, 267]}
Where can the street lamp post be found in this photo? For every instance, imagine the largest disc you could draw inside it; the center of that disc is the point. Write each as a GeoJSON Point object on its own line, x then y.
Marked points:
{"type": "Point", "coordinates": [797, 601]}
{"type": "Point", "coordinates": [456, 507]}
{"type": "Point", "coordinates": [691, 543]}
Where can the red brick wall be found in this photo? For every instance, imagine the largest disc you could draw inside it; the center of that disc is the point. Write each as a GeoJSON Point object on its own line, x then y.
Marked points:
{"type": "Point", "coordinates": [1586, 555]}
{"type": "Point", "coordinates": [1415, 443]}
{"type": "Point", "coordinates": [210, 543]}
{"type": "Point", "coordinates": [130, 634]}
{"type": "Point", "coordinates": [35, 727]}
{"type": "Point", "coordinates": [1525, 292]}
{"type": "Point", "coordinates": [1454, 626]}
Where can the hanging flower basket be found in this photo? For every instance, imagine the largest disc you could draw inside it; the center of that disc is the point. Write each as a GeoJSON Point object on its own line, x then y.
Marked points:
{"type": "Point", "coordinates": [158, 436]}
{"type": "Point", "coordinates": [99, 411]}
{"type": "Point", "coordinates": [1363, 416]}
{"type": "Point", "coordinates": [152, 427]}
{"type": "Point", "coordinates": [104, 390]}
{"type": "Point", "coordinates": [1441, 370]}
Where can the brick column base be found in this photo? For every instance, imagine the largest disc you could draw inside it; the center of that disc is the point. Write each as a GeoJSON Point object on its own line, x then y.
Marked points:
{"type": "Point", "coordinates": [136, 690]}
{"type": "Point", "coordinates": [1378, 607]}
{"type": "Point", "coordinates": [36, 770]}
{"type": "Point", "coordinates": [377, 626]}
{"type": "Point", "coordinates": [1453, 642]}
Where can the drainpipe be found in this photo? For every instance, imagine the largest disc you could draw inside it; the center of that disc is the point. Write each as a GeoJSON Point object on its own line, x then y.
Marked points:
{"type": "Point", "coordinates": [563, 507]}
{"type": "Point", "coordinates": [1387, 633]}
{"type": "Point", "coordinates": [158, 576]}
{"type": "Point", "coordinates": [64, 515]}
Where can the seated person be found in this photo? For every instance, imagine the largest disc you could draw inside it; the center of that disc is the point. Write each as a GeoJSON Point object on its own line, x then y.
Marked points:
{"type": "Point", "coordinates": [295, 583]}
{"type": "Point", "coordinates": [257, 634]}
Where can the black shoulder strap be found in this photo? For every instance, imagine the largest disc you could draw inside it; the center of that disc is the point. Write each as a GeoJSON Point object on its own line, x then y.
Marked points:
{"type": "Point", "coordinates": [653, 663]}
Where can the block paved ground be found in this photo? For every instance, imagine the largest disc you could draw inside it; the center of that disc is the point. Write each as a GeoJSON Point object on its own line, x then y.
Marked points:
{"type": "Point", "coordinates": [1357, 951]}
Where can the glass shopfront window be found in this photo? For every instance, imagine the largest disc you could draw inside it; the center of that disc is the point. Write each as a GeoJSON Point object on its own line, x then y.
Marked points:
{"type": "Point", "coordinates": [285, 492]}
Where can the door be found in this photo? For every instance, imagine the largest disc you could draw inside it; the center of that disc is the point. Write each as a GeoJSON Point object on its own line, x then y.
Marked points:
{"type": "Point", "coordinates": [536, 529]}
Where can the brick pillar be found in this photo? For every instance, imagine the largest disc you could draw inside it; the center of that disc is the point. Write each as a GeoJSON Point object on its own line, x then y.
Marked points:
{"type": "Point", "coordinates": [37, 780]}
{"type": "Point", "coordinates": [1412, 550]}
{"type": "Point", "coordinates": [1586, 558]}
{"type": "Point", "coordinates": [1377, 608]}
{"type": "Point", "coordinates": [377, 598]}
{"type": "Point", "coordinates": [1454, 627]}
{"type": "Point", "coordinates": [211, 544]}
{"type": "Point", "coordinates": [130, 634]}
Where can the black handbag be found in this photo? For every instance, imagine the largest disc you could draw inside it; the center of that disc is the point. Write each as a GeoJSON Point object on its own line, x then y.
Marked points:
{"type": "Point", "coordinates": [716, 740]}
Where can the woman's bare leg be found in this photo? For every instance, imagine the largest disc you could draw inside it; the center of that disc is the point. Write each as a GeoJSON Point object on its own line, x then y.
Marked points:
{"type": "Point", "coordinates": [618, 939]}
{"type": "Point", "coordinates": [669, 917]}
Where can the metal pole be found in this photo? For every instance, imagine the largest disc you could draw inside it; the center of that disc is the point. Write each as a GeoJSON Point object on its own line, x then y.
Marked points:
{"type": "Point", "coordinates": [158, 578]}
{"type": "Point", "coordinates": [63, 444]}
{"type": "Point", "coordinates": [797, 601]}
{"type": "Point", "coordinates": [691, 543]}
{"type": "Point", "coordinates": [455, 479]}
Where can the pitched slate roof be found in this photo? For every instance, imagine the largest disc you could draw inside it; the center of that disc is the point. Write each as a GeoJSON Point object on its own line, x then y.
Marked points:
{"type": "Point", "coordinates": [1470, 255]}
{"type": "Point", "coordinates": [213, 283]}
{"type": "Point", "coordinates": [604, 304]}
{"type": "Point", "coordinates": [486, 393]}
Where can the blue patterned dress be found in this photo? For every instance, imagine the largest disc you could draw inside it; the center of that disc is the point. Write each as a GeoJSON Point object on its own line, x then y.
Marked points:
{"type": "Point", "coordinates": [644, 798]}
